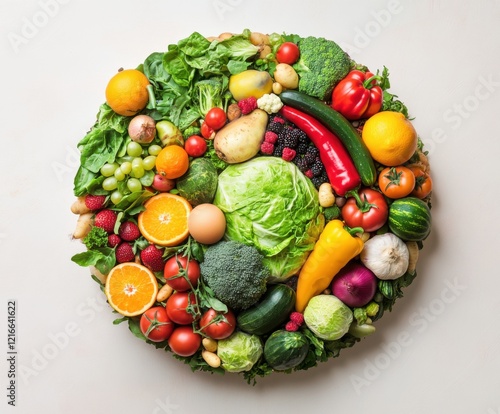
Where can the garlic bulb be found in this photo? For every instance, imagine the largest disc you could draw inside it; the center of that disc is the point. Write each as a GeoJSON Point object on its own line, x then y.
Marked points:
{"type": "Point", "coordinates": [386, 255]}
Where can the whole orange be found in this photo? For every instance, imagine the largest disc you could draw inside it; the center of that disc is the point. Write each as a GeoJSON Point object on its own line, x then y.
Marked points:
{"type": "Point", "coordinates": [390, 137]}
{"type": "Point", "coordinates": [172, 161]}
{"type": "Point", "coordinates": [126, 92]}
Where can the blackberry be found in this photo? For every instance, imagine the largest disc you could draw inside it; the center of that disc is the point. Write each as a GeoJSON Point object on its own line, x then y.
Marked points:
{"type": "Point", "coordinates": [300, 163]}
{"type": "Point", "coordinates": [275, 127]}
{"type": "Point", "coordinates": [302, 147]}
{"type": "Point", "coordinates": [287, 138]}
{"type": "Point", "coordinates": [309, 158]}
{"type": "Point", "coordinates": [317, 168]}
{"type": "Point", "coordinates": [317, 181]}
{"type": "Point", "coordinates": [278, 149]}
{"type": "Point", "coordinates": [313, 151]}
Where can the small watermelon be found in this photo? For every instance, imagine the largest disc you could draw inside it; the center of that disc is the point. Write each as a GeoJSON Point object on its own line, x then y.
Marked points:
{"type": "Point", "coordinates": [199, 183]}
{"type": "Point", "coordinates": [410, 219]}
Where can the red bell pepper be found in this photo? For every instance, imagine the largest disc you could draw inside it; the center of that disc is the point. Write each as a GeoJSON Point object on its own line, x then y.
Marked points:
{"type": "Point", "coordinates": [339, 166]}
{"type": "Point", "coordinates": [358, 95]}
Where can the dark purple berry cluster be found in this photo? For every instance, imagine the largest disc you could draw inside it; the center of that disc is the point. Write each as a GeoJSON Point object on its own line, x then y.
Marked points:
{"type": "Point", "coordinates": [283, 139]}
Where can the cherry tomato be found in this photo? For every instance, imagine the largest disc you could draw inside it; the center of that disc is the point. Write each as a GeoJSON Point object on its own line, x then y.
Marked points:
{"type": "Point", "coordinates": [396, 182]}
{"type": "Point", "coordinates": [156, 325]}
{"type": "Point", "coordinates": [367, 209]}
{"type": "Point", "coordinates": [206, 131]}
{"type": "Point", "coordinates": [216, 118]}
{"type": "Point", "coordinates": [217, 325]}
{"type": "Point", "coordinates": [288, 52]}
{"type": "Point", "coordinates": [423, 183]}
{"type": "Point", "coordinates": [182, 307]}
{"type": "Point", "coordinates": [184, 341]}
{"type": "Point", "coordinates": [195, 146]}
{"type": "Point", "coordinates": [177, 278]}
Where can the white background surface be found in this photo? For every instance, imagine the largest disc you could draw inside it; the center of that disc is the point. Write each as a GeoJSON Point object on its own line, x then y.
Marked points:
{"type": "Point", "coordinates": [437, 352]}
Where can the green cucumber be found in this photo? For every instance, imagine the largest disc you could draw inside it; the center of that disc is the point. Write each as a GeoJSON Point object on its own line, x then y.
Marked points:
{"type": "Point", "coordinates": [284, 350]}
{"type": "Point", "coordinates": [270, 312]}
{"type": "Point", "coordinates": [410, 219]}
{"type": "Point", "coordinates": [340, 126]}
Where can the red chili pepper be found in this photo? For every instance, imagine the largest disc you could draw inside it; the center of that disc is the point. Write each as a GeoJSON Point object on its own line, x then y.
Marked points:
{"type": "Point", "coordinates": [358, 95]}
{"type": "Point", "coordinates": [339, 166]}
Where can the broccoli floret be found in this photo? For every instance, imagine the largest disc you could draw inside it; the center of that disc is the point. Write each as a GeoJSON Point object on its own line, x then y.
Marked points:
{"type": "Point", "coordinates": [235, 273]}
{"type": "Point", "coordinates": [321, 66]}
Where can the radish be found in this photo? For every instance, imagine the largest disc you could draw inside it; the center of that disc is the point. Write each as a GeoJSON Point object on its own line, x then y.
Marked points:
{"type": "Point", "coordinates": [142, 129]}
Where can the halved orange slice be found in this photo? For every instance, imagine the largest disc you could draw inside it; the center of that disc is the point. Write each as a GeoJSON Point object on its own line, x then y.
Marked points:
{"type": "Point", "coordinates": [165, 219]}
{"type": "Point", "coordinates": [131, 288]}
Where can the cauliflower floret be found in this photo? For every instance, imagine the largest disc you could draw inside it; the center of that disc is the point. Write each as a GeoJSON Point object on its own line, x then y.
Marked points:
{"type": "Point", "coordinates": [270, 103]}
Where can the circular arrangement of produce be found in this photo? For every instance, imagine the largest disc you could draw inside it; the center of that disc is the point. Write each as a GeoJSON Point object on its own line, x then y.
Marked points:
{"type": "Point", "coordinates": [251, 203]}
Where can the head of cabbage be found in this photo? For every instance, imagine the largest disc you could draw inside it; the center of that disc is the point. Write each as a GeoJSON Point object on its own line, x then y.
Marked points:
{"type": "Point", "coordinates": [270, 204]}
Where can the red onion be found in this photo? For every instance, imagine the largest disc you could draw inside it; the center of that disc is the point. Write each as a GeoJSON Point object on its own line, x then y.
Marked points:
{"type": "Point", "coordinates": [142, 129]}
{"type": "Point", "coordinates": [355, 285]}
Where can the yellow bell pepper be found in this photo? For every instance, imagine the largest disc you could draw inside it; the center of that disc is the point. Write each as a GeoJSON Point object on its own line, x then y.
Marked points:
{"type": "Point", "coordinates": [333, 250]}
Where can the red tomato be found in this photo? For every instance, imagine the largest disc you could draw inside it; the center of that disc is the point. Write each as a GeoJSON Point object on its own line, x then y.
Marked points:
{"type": "Point", "coordinates": [216, 118]}
{"type": "Point", "coordinates": [217, 325]}
{"type": "Point", "coordinates": [195, 146]}
{"type": "Point", "coordinates": [177, 278]}
{"type": "Point", "coordinates": [206, 131]}
{"type": "Point", "coordinates": [184, 341]}
{"type": "Point", "coordinates": [156, 325]}
{"type": "Point", "coordinates": [288, 52]}
{"type": "Point", "coordinates": [367, 209]}
{"type": "Point", "coordinates": [182, 307]}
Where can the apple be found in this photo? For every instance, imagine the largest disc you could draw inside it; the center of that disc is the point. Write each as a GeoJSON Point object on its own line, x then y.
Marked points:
{"type": "Point", "coordinates": [162, 183]}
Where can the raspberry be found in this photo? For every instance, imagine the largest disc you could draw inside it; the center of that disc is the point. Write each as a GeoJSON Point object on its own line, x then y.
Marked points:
{"type": "Point", "coordinates": [288, 154]}
{"type": "Point", "coordinates": [278, 119]}
{"type": "Point", "coordinates": [309, 174]}
{"type": "Point", "coordinates": [271, 137]}
{"type": "Point", "coordinates": [291, 326]}
{"type": "Point", "coordinates": [267, 148]}
{"type": "Point", "coordinates": [297, 317]}
{"type": "Point", "coordinates": [247, 105]}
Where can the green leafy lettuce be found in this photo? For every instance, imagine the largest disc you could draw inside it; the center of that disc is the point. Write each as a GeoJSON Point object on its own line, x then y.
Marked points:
{"type": "Point", "coordinates": [270, 204]}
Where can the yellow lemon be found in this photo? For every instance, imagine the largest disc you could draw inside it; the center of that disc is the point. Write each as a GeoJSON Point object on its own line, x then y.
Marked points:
{"type": "Point", "coordinates": [390, 137]}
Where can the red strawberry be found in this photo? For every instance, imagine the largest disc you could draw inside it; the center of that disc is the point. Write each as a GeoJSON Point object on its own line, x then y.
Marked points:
{"type": "Point", "coordinates": [106, 219]}
{"type": "Point", "coordinates": [152, 257]}
{"type": "Point", "coordinates": [114, 240]}
{"type": "Point", "coordinates": [94, 202]}
{"type": "Point", "coordinates": [124, 253]}
{"type": "Point", "coordinates": [129, 231]}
